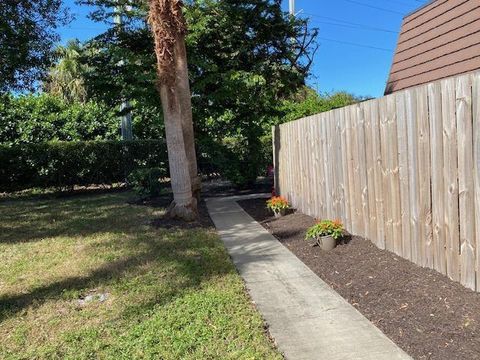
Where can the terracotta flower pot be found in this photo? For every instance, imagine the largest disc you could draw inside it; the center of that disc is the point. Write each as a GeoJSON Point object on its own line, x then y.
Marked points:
{"type": "Point", "coordinates": [327, 243]}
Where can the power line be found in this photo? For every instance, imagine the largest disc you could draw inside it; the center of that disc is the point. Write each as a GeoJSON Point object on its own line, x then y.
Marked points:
{"type": "Point", "coordinates": [357, 44]}
{"type": "Point", "coordinates": [400, 2]}
{"type": "Point", "coordinates": [374, 7]}
{"type": "Point", "coordinates": [358, 25]}
{"type": "Point", "coordinates": [353, 27]}
{"type": "Point", "coordinates": [404, 3]}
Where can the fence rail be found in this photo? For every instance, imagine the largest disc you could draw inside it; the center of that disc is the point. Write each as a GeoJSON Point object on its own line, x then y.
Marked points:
{"type": "Point", "coordinates": [402, 171]}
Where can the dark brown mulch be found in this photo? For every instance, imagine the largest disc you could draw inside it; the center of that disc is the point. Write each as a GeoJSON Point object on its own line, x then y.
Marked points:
{"type": "Point", "coordinates": [425, 313]}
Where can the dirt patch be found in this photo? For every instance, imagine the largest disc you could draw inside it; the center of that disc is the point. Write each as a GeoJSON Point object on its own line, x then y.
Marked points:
{"type": "Point", "coordinates": [163, 202]}
{"type": "Point", "coordinates": [425, 313]}
{"type": "Point", "coordinates": [212, 188]}
{"type": "Point", "coordinates": [222, 188]}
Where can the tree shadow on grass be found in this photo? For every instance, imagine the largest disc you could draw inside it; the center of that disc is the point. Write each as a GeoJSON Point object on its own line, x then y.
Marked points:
{"type": "Point", "coordinates": [55, 193]}
{"type": "Point", "coordinates": [194, 262]}
{"type": "Point", "coordinates": [194, 254]}
{"type": "Point", "coordinates": [30, 221]}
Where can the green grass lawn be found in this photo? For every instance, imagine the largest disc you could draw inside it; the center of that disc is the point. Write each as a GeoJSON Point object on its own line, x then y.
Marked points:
{"type": "Point", "coordinates": [170, 294]}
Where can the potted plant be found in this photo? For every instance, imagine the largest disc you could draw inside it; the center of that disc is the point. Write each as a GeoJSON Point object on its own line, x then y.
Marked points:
{"type": "Point", "coordinates": [325, 233]}
{"type": "Point", "coordinates": [278, 205]}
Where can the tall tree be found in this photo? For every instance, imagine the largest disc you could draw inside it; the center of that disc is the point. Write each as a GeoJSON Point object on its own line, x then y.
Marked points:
{"type": "Point", "coordinates": [169, 28]}
{"type": "Point", "coordinates": [250, 56]}
{"type": "Point", "coordinates": [66, 78]}
{"type": "Point", "coordinates": [27, 37]}
{"type": "Point", "coordinates": [242, 64]}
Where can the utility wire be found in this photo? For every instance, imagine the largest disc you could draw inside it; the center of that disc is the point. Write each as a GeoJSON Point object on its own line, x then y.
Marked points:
{"type": "Point", "coordinates": [401, 3]}
{"type": "Point", "coordinates": [374, 7]}
{"type": "Point", "coordinates": [347, 26]}
{"type": "Point", "coordinates": [352, 23]}
{"type": "Point", "coordinates": [315, 22]}
{"type": "Point", "coordinates": [356, 44]}
{"type": "Point", "coordinates": [405, 3]}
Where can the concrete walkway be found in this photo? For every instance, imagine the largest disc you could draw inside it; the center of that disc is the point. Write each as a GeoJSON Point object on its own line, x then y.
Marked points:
{"type": "Point", "coordinates": [307, 319]}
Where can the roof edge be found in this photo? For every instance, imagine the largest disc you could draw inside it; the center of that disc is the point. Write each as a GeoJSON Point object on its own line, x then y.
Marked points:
{"type": "Point", "coordinates": [418, 9]}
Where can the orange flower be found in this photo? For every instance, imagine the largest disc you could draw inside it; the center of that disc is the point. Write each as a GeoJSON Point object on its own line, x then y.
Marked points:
{"type": "Point", "coordinates": [276, 203]}
{"type": "Point", "coordinates": [333, 228]}
{"type": "Point", "coordinates": [337, 222]}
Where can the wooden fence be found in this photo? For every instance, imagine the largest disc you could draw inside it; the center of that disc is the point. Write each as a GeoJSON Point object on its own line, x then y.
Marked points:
{"type": "Point", "coordinates": [402, 171]}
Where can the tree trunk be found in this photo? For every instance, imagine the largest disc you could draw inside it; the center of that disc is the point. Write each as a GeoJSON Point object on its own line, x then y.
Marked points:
{"type": "Point", "coordinates": [184, 94]}
{"type": "Point", "coordinates": [169, 28]}
{"type": "Point", "coordinates": [184, 204]}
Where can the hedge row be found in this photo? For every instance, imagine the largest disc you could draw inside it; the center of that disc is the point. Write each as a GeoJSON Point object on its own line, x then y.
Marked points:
{"type": "Point", "coordinates": [64, 164]}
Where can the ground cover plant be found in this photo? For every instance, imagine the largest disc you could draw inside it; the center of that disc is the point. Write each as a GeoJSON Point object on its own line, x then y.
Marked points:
{"type": "Point", "coordinates": [91, 277]}
{"type": "Point", "coordinates": [422, 311]}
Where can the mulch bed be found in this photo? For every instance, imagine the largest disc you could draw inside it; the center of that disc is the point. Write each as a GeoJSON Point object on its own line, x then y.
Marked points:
{"type": "Point", "coordinates": [425, 313]}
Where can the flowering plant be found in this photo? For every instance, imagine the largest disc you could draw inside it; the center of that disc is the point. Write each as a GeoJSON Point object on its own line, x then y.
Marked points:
{"type": "Point", "coordinates": [333, 228]}
{"type": "Point", "coordinates": [277, 204]}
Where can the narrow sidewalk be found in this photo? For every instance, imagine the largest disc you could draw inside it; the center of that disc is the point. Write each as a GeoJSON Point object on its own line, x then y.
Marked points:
{"type": "Point", "coordinates": [307, 319]}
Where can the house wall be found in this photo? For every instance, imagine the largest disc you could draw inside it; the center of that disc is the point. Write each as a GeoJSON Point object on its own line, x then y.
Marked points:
{"type": "Point", "coordinates": [440, 40]}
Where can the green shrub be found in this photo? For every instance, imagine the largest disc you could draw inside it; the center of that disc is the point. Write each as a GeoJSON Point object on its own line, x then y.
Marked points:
{"type": "Point", "coordinates": [147, 182]}
{"type": "Point", "coordinates": [233, 159]}
{"type": "Point", "coordinates": [65, 164]}
{"type": "Point", "coordinates": [310, 102]}
{"type": "Point", "coordinates": [41, 118]}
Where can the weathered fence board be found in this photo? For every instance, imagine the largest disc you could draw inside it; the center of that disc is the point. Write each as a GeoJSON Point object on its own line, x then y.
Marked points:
{"type": "Point", "coordinates": [386, 172]}
{"type": "Point", "coordinates": [350, 166]}
{"type": "Point", "coordinates": [465, 180]}
{"type": "Point", "coordinates": [425, 215]}
{"type": "Point", "coordinates": [402, 170]}
{"type": "Point", "coordinates": [436, 151]}
{"type": "Point", "coordinates": [362, 168]}
{"type": "Point", "coordinates": [370, 162]}
{"type": "Point", "coordinates": [476, 170]}
{"type": "Point", "coordinates": [413, 182]}
{"type": "Point", "coordinates": [450, 175]}
{"type": "Point", "coordinates": [347, 217]}
{"type": "Point", "coordinates": [377, 170]}
{"type": "Point", "coordinates": [394, 176]}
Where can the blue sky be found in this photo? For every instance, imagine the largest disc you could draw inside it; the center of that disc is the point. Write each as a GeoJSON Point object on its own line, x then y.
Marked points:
{"type": "Point", "coordinates": [357, 40]}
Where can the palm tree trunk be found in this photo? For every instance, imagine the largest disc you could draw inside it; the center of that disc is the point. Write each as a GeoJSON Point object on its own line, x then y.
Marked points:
{"type": "Point", "coordinates": [184, 204]}
{"type": "Point", "coordinates": [184, 94]}
{"type": "Point", "coordinates": [168, 27]}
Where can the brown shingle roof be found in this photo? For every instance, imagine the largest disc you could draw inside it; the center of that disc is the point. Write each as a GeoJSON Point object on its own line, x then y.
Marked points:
{"type": "Point", "coordinates": [439, 40]}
